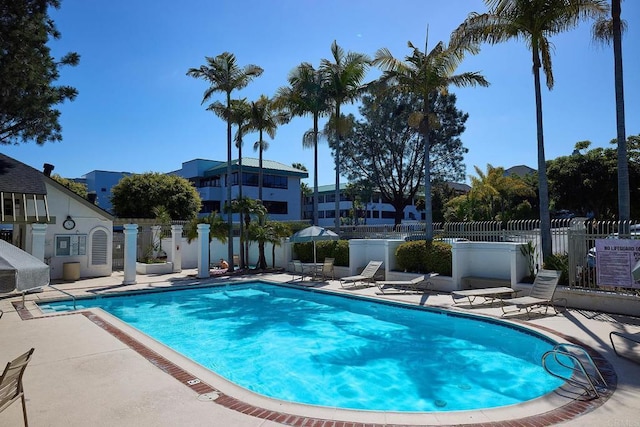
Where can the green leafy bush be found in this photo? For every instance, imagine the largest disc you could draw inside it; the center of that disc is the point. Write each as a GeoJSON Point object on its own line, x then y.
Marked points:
{"type": "Point", "coordinates": [420, 257]}
{"type": "Point", "coordinates": [338, 249]}
{"type": "Point", "coordinates": [559, 262]}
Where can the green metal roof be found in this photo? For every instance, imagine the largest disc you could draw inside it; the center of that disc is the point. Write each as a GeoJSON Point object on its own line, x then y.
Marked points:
{"type": "Point", "coordinates": [251, 164]}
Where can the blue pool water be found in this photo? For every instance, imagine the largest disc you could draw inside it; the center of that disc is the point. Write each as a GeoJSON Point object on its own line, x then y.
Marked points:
{"type": "Point", "coordinates": [323, 349]}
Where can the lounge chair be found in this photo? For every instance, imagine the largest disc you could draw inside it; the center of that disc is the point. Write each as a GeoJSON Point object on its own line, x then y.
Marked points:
{"type": "Point", "coordinates": [634, 338]}
{"type": "Point", "coordinates": [11, 383]}
{"type": "Point", "coordinates": [542, 291]}
{"type": "Point", "coordinates": [366, 277]}
{"type": "Point", "coordinates": [489, 295]}
{"type": "Point", "coordinates": [326, 269]}
{"type": "Point", "coordinates": [404, 286]}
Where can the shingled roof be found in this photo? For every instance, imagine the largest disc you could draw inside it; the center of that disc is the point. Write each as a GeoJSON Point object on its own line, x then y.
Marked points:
{"type": "Point", "coordinates": [16, 177]}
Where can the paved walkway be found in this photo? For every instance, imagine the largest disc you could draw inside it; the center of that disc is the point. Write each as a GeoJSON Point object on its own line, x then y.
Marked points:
{"type": "Point", "coordinates": [90, 369]}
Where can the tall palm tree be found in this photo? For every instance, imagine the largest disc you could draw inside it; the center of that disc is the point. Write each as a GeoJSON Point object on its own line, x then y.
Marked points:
{"type": "Point", "coordinates": [225, 75]}
{"type": "Point", "coordinates": [608, 30]}
{"type": "Point", "coordinates": [305, 95]}
{"type": "Point", "coordinates": [424, 74]}
{"type": "Point", "coordinates": [264, 118]}
{"type": "Point", "coordinates": [342, 76]}
{"type": "Point", "coordinates": [534, 21]}
{"type": "Point", "coordinates": [239, 114]}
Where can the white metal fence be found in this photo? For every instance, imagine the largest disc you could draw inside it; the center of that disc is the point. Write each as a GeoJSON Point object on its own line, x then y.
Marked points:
{"type": "Point", "coordinates": [572, 240]}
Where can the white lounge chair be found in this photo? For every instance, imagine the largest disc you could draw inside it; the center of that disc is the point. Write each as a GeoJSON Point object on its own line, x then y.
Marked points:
{"type": "Point", "coordinates": [405, 286]}
{"type": "Point", "coordinates": [541, 295]}
{"type": "Point", "coordinates": [366, 277]}
{"type": "Point", "coordinates": [489, 295]}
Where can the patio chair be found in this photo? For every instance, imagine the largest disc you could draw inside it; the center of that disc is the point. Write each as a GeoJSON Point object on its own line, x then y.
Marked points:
{"type": "Point", "coordinates": [326, 269]}
{"type": "Point", "coordinates": [299, 270]}
{"type": "Point", "coordinates": [405, 286]}
{"type": "Point", "coordinates": [633, 337]}
{"type": "Point", "coordinates": [11, 383]}
{"type": "Point", "coordinates": [365, 278]}
{"type": "Point", "coordinates": [541, 294]}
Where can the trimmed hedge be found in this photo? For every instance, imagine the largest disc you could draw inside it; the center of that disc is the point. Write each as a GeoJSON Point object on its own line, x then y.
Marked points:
{"type": "Point", "coordinates": [422, 257]}
{"type": "Point", "coordinates": [338, 249]}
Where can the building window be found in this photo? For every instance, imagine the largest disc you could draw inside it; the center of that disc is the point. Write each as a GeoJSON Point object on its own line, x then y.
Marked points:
{"type": "Point", "coordinates": [388, 214]}
{"type": "Point", "coordinates": [209, 206]}
{"type": "Point", "coordinates": [276, 208]}
{"type": "Point", "coordinates": [330, 214]}
{"type": "Point", "coordinates": [330, 198]}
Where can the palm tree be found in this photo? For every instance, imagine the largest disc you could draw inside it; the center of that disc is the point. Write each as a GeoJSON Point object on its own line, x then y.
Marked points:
{"type": "Point", "coordinates": [607, 30]}
{"type": "Point", "coordinates": [239, 114]}
{"type": "Point", "coordinates": [305, 95]}
{"type": "Point", "coordinates": [264, 118]}
{"type": "Point", "coordinates": [218, 229]}
{"type": "Point", "coordinates": [424, 74]}
{"type": "Point", "coordinates": [534, 21]}
{"type": "Point", "coordinates": [224, 75]}
{"type": "Point", "coordinates": [342, 78]}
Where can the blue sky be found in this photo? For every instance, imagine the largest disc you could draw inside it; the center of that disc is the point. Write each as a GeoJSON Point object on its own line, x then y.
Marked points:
{"type": "Point", "coordinates": [137, 111]}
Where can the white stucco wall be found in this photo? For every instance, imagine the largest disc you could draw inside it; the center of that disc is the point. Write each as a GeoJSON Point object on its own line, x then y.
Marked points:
{"type": "Point", "coordinates": [87, 221]}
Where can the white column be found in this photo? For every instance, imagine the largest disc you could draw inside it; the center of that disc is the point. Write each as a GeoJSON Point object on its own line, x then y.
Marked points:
{"type": "Point", "coordinates": [176, 254]}
{"type": "Point", "coordinates": [130, 249]}
{"type": "Point", "coordinates": [38, 234]}
{"type": "Point", "coordinates": [203, 250]}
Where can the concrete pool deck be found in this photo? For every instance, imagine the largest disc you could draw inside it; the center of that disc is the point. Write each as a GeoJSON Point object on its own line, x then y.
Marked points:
{"type": "Point", "coordinates": [90, 369]}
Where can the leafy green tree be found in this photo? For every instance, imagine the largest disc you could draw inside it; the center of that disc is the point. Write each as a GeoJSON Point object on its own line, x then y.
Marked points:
{"type": "Point", "coordinates": [28, 72]}
{"type": "Point", "coordinates": [136, 196]}
{"type": "Point", "coordinates": [225, 75]}
{"type": "Point", "coordinates": [342, 77]}
{"type": "Point", "coordinates": [77, 187]}
{"type": "Point", "coordinates": [582, 182]}
{"type": "Point", "coordinates": [264, 118]}
{"type": "Point", "coordinates": [306, 95]}
{"type": "Point", "coordinates": [423, 75]}
{"type": "Point", "coordinates": [385, 151]}
{"type": "Point", "coordinates": [607, 31]}
{"type": "Point", "coordinates": [533, 21]}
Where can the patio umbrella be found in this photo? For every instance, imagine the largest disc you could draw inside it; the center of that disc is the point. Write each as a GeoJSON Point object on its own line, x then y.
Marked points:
{"type": "Point", "coordinates": [313, 234]}
{"type": "Point", "coordinates": [20, 270]}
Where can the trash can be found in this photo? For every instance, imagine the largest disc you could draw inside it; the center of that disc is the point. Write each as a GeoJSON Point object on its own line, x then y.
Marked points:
{"type": "Point", "coordinates": [71, 271]}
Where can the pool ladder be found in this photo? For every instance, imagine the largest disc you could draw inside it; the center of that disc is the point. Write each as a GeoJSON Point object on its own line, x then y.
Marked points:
{"type": "Point", "coordinates": [66, 293]}
{"type": "Point", "coordinates": [585, 373]}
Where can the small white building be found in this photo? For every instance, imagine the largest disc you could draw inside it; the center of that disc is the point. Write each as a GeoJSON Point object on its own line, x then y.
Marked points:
{"type": "Point", "coordinates": [54, 224]}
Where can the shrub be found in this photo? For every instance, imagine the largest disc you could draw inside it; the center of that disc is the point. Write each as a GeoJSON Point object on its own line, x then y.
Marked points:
{"type": "Point", "coordinates": [559, 262]}
{"type": "Point", "coordinates": [419, 257]}
{"type": "Point", "coordinates": [338, 249]}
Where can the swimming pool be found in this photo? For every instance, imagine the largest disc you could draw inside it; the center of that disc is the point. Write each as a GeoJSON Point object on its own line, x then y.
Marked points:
{"type": "Point", "coordinates": [356, 353]}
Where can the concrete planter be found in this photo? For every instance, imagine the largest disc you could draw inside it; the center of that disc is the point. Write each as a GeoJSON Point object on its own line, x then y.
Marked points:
{"type": "Point", "coordinates": [156, 268]}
